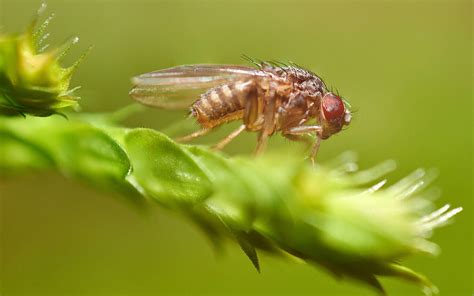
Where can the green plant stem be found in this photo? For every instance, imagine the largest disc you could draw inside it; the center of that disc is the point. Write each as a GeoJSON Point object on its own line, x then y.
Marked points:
{"type": "Point", "coordinates": [323, 215]}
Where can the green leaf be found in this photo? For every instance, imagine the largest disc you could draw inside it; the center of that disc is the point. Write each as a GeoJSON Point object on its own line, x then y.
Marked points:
{"type": "Point", "coordinates": [95, 153]}
{"type": "Point", "coordinates": [164, 171]}
{"type": "Point", "coordinates": [249, 250]}
{"type": "Point", "coordinates": [18, 154]}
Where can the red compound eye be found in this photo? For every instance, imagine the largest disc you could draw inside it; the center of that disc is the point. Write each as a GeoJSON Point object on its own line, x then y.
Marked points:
{"type": "Point", "coordinates": [333, 107]}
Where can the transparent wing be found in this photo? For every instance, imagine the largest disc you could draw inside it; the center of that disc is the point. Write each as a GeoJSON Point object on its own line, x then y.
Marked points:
{"type": "Point", "coordinates": [179, 87]}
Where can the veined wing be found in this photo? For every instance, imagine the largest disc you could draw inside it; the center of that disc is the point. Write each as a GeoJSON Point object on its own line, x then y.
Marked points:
{"type": "Point", "coordinates": [178, 87]}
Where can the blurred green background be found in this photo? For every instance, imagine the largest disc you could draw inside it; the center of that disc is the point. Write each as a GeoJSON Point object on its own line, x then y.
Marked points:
{"type": "Point", "coordinates": [406, 67]}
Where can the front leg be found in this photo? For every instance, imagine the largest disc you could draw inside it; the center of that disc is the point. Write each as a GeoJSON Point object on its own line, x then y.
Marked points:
{"type": "Point", "coordinates": [308, 129]}
{"type": "Point", "coordinates": [303, 130]}
{"type": "Point", "coordinates": [299, 138]}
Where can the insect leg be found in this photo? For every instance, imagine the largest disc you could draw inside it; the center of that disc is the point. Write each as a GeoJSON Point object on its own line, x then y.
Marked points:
{"type": "Point", "coordinates": [194, 135]}
{"type": "Point", "coordinates": [298, 138]}
{"type": "Point", "coordinates": [252, 108]}
{"type": "Point", "coordinates": [268, 121]}
{"type": "Point", "coordinates": [229, 138]}
{"type": "Point", "coordinates": [261, 143]}
{"type": "Point", "coordinates": [301, 130]}
{"type": "Point", "coordinates": [306, 129]}
{"type": "Point", "coordinates": [315, 149]}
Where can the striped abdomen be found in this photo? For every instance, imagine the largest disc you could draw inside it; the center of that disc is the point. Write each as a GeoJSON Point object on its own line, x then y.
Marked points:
{"type": "Point", "coordinates": [223, 103]}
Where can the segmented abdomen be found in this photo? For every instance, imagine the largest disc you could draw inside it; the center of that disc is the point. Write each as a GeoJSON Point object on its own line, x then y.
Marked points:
{"type": "Point", "coordinates": [223, 103]}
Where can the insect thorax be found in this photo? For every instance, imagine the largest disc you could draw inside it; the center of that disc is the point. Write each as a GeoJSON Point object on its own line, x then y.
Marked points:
{"type": "Point", "coordinates": [301, 79]}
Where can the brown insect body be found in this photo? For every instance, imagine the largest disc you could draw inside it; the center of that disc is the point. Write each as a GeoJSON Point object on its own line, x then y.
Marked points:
{"type": "Point", "coordinates": [268, 100]}
{"type": "Point", "coordinates": [292, 93]}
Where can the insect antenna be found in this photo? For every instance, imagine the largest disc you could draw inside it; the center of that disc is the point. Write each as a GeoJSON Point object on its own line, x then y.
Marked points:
{"type": "Point", "coordinates": [353, 115]}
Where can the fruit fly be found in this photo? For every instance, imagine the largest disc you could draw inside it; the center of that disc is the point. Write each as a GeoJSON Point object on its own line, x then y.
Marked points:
{"type": "Point", "coordinates": [271, 97]}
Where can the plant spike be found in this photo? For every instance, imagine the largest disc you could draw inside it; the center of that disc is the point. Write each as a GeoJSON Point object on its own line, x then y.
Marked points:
{"type": "Point", "coordinates": [32, 80]}
{"type": "Point", "coordinates": [344, 221]}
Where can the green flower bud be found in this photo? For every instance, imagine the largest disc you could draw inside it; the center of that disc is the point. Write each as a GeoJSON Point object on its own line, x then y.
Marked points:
{"type": "Point", "coordinates": [31, 79]}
